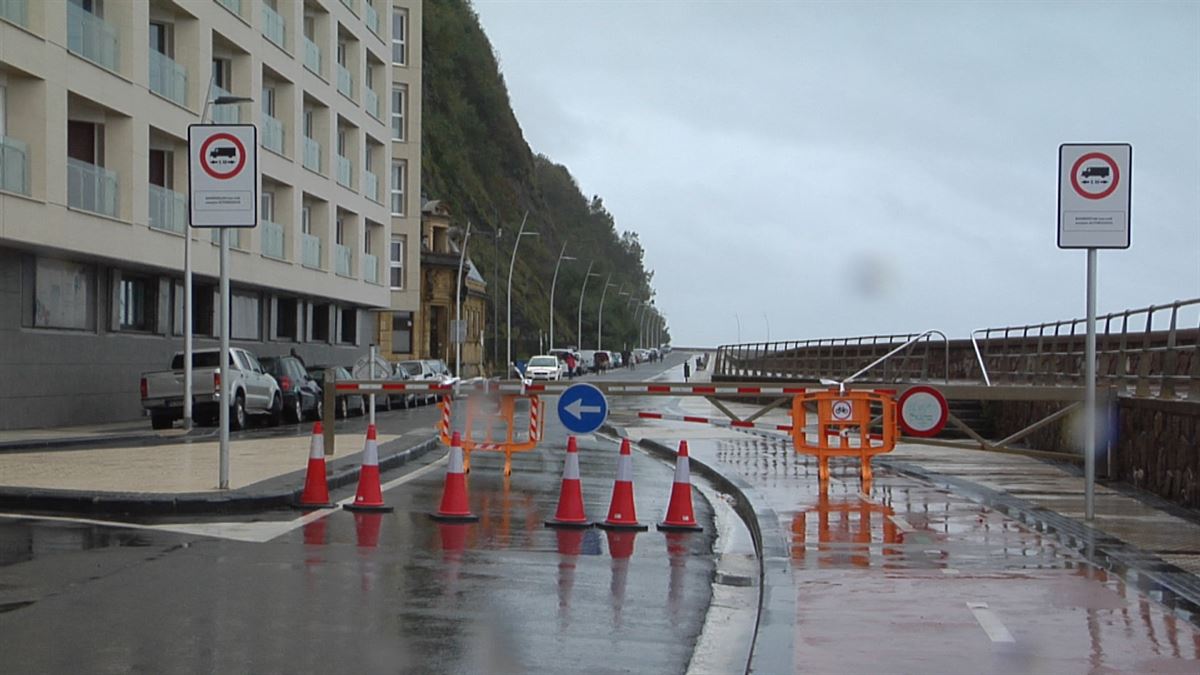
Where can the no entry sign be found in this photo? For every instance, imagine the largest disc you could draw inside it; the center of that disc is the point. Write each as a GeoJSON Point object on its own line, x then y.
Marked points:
{"type": "Point", "coordinates": [1094, 195]}
{"type": "Point", "coordinates": [223, 175]}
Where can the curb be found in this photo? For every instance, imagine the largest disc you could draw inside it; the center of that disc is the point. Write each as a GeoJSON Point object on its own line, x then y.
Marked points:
{"type": "Point", "coordinates": [34, 445]}
{"type": "Point", "coordinates": [278, 492]}
{"type": "Point", "coordinates": [771, 648]}
{"type": "Point", "coordinates": [1172, 586]}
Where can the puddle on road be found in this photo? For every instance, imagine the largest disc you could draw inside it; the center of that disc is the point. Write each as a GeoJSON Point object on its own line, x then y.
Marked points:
{"type": "Point", "coordinates": [25, 540]}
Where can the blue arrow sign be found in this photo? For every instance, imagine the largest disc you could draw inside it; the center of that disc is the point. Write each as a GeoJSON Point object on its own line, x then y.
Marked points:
{"type": "Point", "coordinates": [582, 408]}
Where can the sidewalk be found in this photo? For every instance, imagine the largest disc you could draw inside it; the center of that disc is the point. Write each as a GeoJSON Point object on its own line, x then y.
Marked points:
{"type": "Point", "coordinates": [113, 432]}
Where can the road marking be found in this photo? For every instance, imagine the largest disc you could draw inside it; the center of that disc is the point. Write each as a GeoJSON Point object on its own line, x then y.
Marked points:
{"type": "Point", "coordinates": [949, 571]}
{"type": "Point", "coordinates": [989, 622]}
{"type": "Point", "coordinates": [902, 524]}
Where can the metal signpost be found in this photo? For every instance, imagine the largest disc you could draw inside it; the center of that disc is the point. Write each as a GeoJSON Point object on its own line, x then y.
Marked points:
{"type": "Point", "coordinates": [223, 193]}
{"type": "Point", "coordinates": [1094, 199]}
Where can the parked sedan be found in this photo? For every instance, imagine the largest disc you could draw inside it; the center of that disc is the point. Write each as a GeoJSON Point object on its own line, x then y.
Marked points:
{"type": "Point", "coordinates": [301, 394]}
{"type": "Point", "coordinates": [346, 405]}
{"type": "Point", "coordinates": [546, 367]}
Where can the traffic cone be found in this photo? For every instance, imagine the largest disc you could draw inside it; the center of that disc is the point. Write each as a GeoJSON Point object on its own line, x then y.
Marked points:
{"type": "Point", "coordinates": [455, 505]}
{"type": "Point", "coordinates": [570, 511]}
{"type": "Point", "coordinates": [316, 490]}
{"type": "Point", "coordinates": [369, 496]}
{"type": "Point", "coordinates": [680, 516]}
{"type": "Point", "coordinates": [621, 512]}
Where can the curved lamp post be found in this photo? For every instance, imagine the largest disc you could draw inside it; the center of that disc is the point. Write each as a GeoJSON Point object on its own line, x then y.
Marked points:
{"type": "Point", "coordinates": [561, 257]}
{"type": "Point", "coordinates": [520, 233]}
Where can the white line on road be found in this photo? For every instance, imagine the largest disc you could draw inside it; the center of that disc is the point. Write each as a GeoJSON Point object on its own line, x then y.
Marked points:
{"type": "Point", "coordinates": [990, 623]}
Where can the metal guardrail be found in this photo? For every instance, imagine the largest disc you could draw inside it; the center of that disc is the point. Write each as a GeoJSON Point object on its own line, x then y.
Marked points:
{"type": "Point", "coordinates": [834, 358]}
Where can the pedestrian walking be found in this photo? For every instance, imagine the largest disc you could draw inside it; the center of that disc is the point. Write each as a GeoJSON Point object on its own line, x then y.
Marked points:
{"type": "Point", "coordinates": [570, 366]}
{"type": "Point", "coordinates": [687, 369]}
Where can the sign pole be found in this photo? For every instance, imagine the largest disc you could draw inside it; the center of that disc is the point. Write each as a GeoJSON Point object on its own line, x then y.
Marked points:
{"type": "Point", "coordinates": [372, 361]}
{"type": "Point", "coordinates": [226, 366]}
{"type": "Point", "coordinates": [1089, 437]}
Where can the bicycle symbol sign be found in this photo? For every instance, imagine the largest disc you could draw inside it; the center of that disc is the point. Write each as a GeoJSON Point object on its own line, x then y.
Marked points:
{"type": "Point", "coordinates": [843, 410]}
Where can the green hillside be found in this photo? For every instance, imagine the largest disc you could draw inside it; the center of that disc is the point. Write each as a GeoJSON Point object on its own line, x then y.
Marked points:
{"type": "Point", "coordinates": [476, 159]}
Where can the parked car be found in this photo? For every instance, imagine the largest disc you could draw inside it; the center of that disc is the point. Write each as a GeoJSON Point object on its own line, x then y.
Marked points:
{"type": "Point", "coordinates": [545, 367]}
{"type": "Point", "coordinates": [561, 355]}
{"type": "Point", "coordinates": [420, 371]}
{"type": "Point", "coordinates": [348, 404]}
{"type": "Point", "coordinates": [301, 394]}
{"type": "Point", "coordinates": [604, 360]}
{"type": "Point", "coordinates": [587, 361]}
{"type": "Point", "coordinates": [254, 391]}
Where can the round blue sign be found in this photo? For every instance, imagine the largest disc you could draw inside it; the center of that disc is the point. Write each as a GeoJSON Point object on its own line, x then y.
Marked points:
{"type": "Point", "coordinates": [582, 408]}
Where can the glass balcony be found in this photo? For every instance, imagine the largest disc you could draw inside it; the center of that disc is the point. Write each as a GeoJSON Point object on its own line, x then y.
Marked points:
{"type": "Point", "coordinates": [91, 188]}
{"type": "Point", "coordinates": [345, 83]}
{"type": "Point", "coordinates": [224, 114]}
{"type": "Point", "coordinates": [370, 185]}
{"type": "Point", "coordinates": [272, 240]}
{"type": "Point", "coordinates": [371, 18]}
{"type": "Point", "coordinates": [168, 210]}
{"type": "Point", "coordinates": [16, 11]}
{"type": "Point", "coordinates": [274, 27]}
{"type": "Point", "coordinates": [345, 171]}
{"type": "Point", "coordinates": [312, 56]}
{"type": "Point", "coordinates": [168, 78]}
{"type": "Point", "coordinates": [92, 38]}
{"type": "Point", "coordinates": [310, 249]}
{"type": "Point", "coordinates": [14, 165]}
{"type": "Point", "coordinates": [342, 258]}
{"type": "Point", "coordinates": [312, 154]}
{"type": "Point", "coordinates": [272, 133]}
{"type": "Point", "coordinates": [234, 6]}
{"type": "Point", "coordinates": [371, 103]}
{"type": "Point", "coordinates": [235, 236]}
{"type": "Point", "coordinates": [351, 5]}
{"type": "Point", "coordinates": [370, 266]}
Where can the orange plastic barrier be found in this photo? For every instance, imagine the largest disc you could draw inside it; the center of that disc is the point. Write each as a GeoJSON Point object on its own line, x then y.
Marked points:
{"type": "Point", "coordinates": [843, 427]}
{"type": "Point", "coordinates": [505, 414]}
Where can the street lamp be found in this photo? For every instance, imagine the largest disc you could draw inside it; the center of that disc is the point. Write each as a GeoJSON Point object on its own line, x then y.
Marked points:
{"type": "Point", "coordinates": [739, 325]}
{"type": "Point", "coordinates": [600, 318]}
{"type": "Point", "coordinates": [458, 339]}
{"type": "Point", "coordinates": [520, 233]}
{"type": "Point", "coordinates": [561, 257]}
{"type": "Point", "coordinates": [765, 318]}
{"type": "Point", "coordinates": [579, 328]}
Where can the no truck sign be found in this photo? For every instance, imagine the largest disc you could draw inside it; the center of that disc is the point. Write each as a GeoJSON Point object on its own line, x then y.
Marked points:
{"type": "Point", "coordinates": [1094, 195]}
{"type": "Point", "coordinates": [223, 175]}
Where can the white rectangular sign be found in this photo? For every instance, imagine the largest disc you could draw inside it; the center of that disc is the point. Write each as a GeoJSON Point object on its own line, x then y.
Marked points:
{"type": "Point", "coordinates": [1094, 195]}
{"type": "Point", "coordinates": [223, 175]}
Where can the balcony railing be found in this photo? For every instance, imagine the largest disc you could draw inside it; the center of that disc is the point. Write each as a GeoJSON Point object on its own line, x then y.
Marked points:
{"type": "Point", "coordinates": [370, 265]}
{"type": "Point", "coordinates": [228, 113]}
{"type": "Point", "coordinates": [16, 11]}
{"type": "Point", "coordinates": [272, 240]}
{"type": "Point", "coordinates": [234, 6]}
{"type": "Point", "coordinates": [92, 37]}
{"type": "Point", "coordinates": [370, 185]}
{"type": "Point", "coordinates": [371, 103]}
{"type": "Point", "coordinates": [272, 133]}
{"type": "Point", "coordinates": [345, 83]}
{"type": "Point", "coordinates": [352, 5]}
{"type": "Point", "coordinates": [312, 56]}
{"type": "Point", "coordinates": [371, 17]}
{"type": "Point", "coordinates": [14, 165]}
{"type": "Point", "coordinates": [168, 78]}
{"type": "Point", "coordinates": [342, 259]}
{"type": "Point", "coordinates": [310, 250]}
{"type": "Point", "coordinates": [91, 188]}
{"type": "Point", "coordinates": [235, 236]}
{"type": "Point", "coordinates": [345, 171]}
{"type": "Point", "coordinates": [168, 210]}
{"type": "Point", "coordinates": [274, 27]}
{"type": "Point", "coordinates": [312, 154]}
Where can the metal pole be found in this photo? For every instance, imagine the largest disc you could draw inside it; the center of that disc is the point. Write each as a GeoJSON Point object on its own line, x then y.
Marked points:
{"type": "Point", "coordinates": [739, 324]}
{"type": "Point", "coordinates": [1089, 434]}
{"type": "Point", "coordinates": [579, 328]}
{"type": "Point", "coordinates": [462, 256]}
{"type": "Point", "coordinates": [600, 318]}
{"type": "Point", "coordinates": [552, 283]}
{"type": "Point", "coordinates": [187, 292]}
{"type": "Point", "coordinates": [508, 367]}
{"type": "Point", "coordinates": [768, 326]}
{"type": "Point", "coordinates": [371, 358]}
{"type": "Point", "coordinates": [226, 366]}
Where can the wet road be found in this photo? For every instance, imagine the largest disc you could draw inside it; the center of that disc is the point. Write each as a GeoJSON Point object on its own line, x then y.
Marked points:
{"type": "Point", "coordinates": [392, 592]}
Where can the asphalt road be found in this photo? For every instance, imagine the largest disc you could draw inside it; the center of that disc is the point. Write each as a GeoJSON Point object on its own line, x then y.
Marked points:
{"type": "Point", "coordinates": [392, 592]}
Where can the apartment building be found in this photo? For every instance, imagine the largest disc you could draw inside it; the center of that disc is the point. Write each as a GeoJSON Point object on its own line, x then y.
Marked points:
{"type": "Point", "coordinates": [95, 100]}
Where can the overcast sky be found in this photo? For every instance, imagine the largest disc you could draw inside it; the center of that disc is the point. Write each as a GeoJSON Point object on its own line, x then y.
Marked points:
{"type": "Point", "coordinates": [845, 168]}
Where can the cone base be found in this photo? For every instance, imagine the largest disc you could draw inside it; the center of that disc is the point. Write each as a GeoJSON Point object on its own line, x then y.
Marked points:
{"type": "Point", "coordinates": [453, 518]}
{"type": "Point", "coordinates": [605, 525]}
{"type": "Point", "coordinates": [366, 508]}
{"type": "Point", "coordinates": [579, 524]}
{"type": "Point", "coordinates": [679, 527]}
{"type": "Point", "coordinates": [308, 505]}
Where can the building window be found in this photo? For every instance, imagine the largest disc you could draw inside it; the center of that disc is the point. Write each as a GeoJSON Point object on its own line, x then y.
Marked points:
{"type": "Point", "coordinates": [137, 303]}
{"type": "Point", "coordinates": [399, 110]}
{"type": "Point", "coordinates": [63, 295]}
{"type": "Point", "coordinates": [268, 101]}
{"type": "Point", "coordinates": [245, 317]}
{"type": "Point", "coordinates": [401, 332]}
{"type": "Point", "coordinates": [162, 165]}
{"type": "Point", "coordinates": [396, 261]}
{"type": "Point", "coordinates": [306, 219]}
{"type": "Point", "coordinates": [267, 206]}
{"type": "Point", "coordinates": [286, 325]}
{"type": "Point", "coordinates": [320, 323]}
{"type": "Point", "coordinates": [222, 70]}
{"type": "Point", "coordinates": [161, 38]}
{"type": "Point", "coordinates": [399, 177]}
{"type": "Point", "coordinates": [400, 36]}
{"type": "Point", "coordinates": [348, 320]}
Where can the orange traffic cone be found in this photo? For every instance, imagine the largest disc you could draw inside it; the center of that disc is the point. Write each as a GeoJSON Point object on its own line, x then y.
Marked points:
{"type": "Point", "coordinates": [370, 495]}
{"type": "Point", "coordinates": [621, 512]}
{"type": "Point", "coordinates": [455, 505]}
{"type": "Point", "coordinates": [316, 490]}
{"type": "Point", "coordinates": [679, 512]}
{"type": "Point", "coordinates": [570, 511]}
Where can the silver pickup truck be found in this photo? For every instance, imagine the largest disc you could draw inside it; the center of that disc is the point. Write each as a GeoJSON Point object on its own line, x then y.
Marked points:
{"type": "Point", "coordinates": [254, 391]}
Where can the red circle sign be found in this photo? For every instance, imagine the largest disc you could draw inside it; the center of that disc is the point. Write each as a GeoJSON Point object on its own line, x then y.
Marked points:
{"type": "Point", "coordinates": [1101, 177]}
{"type": "Point", "coordinates": [218, 162]}
{"type": "Point", "coordinates": [923, 411]}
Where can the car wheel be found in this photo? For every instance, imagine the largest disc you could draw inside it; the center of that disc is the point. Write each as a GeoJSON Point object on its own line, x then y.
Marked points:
{"type": "Point", "coordinates": [318, 412]}
{"type": "Point", "coordinates": [386, 404]}
{"type": "Point", "coordinates": [161, 421]}
{"type": "Point", "coordinates": [343, 408]}
{"type": "Point", "coordinates": [275, 416]}
{"type": "Point", "coordinates": [237, 414]}
{"type": "Point", "coordinates": [296, 412]}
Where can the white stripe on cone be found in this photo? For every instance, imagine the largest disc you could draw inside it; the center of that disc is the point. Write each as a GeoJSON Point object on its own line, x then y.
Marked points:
{"type": "Point", "coordinates": [316, 447]}
{"type": "Point", "coordinates": [571, 468]}
{"type": "Point", "coordinates": [456, 459]}
{"type": "Point", "coordinates": [682, 474]}
{"type": "Point", "coordinates": [624, 469]}
{"type": "Point", "coordinates": [371, 449]}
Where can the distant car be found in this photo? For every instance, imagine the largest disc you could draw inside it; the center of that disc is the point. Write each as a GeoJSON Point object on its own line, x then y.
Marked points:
{"type": "Point", "coordinates": [420, 371]}
{"type": "Point", "coordinates": [604, 360]}
{"type": "Point", "coordinates": [587, 361]}
{"type": "Point", "coordinates": [545, 367]}
{"type": "Point", "coordinates": [301, 394]}
{"type": "Point", "coordinates": [345, 405]}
